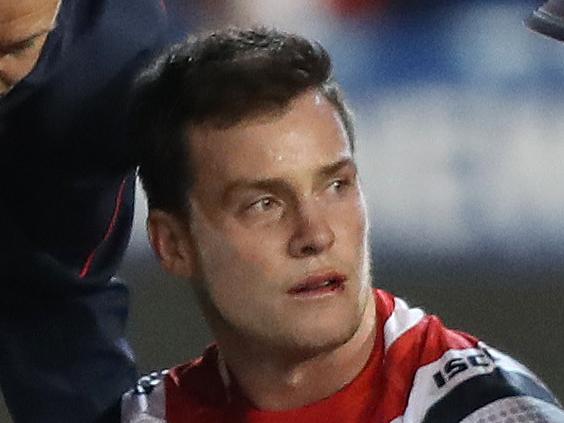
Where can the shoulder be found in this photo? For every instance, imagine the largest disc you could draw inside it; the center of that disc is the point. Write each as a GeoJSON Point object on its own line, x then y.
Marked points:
{"type": "Point", "coordinates": [183, 390]}
{"type": "Point", "coordinates": [451, 376]}
{"type": "Point", "coordinates": [146, 402]}
{"type": "Point", "coordinates": [421, 336]}
{"type": "Point", "coordinates": [469, 387]}
{"type": "Point", "coordinates": [201, 380]}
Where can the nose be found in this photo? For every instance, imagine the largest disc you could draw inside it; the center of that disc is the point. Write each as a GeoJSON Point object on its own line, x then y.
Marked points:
{"type": "Point", "coordinates": [313, 234]}
{"type": "Point", "coordinates": [13, 69]}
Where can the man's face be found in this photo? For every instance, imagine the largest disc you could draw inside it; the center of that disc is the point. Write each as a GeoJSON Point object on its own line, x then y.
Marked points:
{"type": "Point", "coordinates": [279, 228]}
{"type": "Point", "coordinates": [24, 26]}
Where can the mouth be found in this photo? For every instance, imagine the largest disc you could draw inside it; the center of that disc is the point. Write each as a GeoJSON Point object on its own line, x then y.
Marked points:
{"type": "Point", "coordinates": [319, 284]}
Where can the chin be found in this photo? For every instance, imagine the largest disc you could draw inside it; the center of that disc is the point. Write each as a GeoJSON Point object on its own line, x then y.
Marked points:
{"type": "Point", "coordinates": [328, 331]}
{"type": "Point", "coordinates": [319, 338]}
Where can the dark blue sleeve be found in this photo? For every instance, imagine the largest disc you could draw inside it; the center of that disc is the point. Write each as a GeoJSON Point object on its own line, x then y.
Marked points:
{"type": "Point", "coordinates": [497, 397]}
{"type": "Point", "coordinates": [67, 184]}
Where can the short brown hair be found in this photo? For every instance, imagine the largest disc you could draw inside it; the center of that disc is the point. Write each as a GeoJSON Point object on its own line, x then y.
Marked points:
{"type": "Point", "coordinates": [218, 79]}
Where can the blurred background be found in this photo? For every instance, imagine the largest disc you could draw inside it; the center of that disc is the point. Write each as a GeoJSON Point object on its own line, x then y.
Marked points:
{"type": "Point", "coordinates": [460, 117]}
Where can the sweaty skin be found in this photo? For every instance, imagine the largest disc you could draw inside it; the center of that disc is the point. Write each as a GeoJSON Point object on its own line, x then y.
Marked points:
{"type": "Point", "coordinates": [24, 27]}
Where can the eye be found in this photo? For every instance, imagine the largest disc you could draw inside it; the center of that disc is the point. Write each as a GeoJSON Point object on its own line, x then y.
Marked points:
{"type": "Point", "coordinates": [263, 204]}
{"type": "Point", "coordinates": [339, 184]}
{"type": "Point", "coordinates": [21, 48]}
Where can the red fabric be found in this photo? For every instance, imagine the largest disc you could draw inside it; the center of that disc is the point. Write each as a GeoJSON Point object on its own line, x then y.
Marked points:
{"type": "Point", "coordinates": [419, 346]}
{"type": "Point", "coordinates": [195, 391]}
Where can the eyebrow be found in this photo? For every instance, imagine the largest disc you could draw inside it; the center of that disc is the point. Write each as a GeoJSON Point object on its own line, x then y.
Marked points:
{"type": "Point", "coordinates": [333, 168]}
{"type": "Point", "coordinates": [280, 183]}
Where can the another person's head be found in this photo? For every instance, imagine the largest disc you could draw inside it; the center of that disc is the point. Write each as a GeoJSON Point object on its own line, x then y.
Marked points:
{"type": "Point", "coordinates": [246, 156]}
{"type": "Point", "coordinates": [24, 26]}
{"type": "Point", "coordinates": [548, 19]}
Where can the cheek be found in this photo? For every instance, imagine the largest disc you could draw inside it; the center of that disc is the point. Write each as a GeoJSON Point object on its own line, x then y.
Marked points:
{"type": "Point", "coordinates": [237, 258]}
{"type": "Point", "coordinates": [14, 69]}
{"type": "Point", "coordinates": [26, 65]}
{"type": "Point", "coordinates": [351, 219]}
{"type": "Point", "coordinates": [260, 249]}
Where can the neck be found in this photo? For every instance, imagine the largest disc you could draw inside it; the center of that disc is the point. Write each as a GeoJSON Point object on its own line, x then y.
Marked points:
{"type": "Point", "coordinates": [275, 382]}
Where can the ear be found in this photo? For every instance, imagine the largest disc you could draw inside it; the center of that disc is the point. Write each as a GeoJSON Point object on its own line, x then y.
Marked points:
{"type": "Point", "coordinates": [171, 241]}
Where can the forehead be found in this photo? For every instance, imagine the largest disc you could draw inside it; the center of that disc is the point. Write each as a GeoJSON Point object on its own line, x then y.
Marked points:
{"type": "Point", "coordinates": [307, 135]}
{"type": "Point", "coordinates": [21, 18]}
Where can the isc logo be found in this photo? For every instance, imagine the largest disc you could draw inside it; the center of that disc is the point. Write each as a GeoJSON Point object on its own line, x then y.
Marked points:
{"type": "Point", "coordinates": [460, 365]}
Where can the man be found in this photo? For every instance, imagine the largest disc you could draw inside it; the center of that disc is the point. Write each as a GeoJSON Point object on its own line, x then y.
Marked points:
{"type": "Point", "coordinates": [246, 152]}
{"type": "Point", "coordinates": [67, 188]}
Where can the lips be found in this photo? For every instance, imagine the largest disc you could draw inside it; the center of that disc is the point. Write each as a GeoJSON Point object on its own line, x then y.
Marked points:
{"type": "Point", "coordinates": [315, 284]}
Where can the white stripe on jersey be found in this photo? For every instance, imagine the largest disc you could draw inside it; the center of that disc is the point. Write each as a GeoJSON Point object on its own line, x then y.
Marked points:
{"type": "Point", "coordinates": [144, 408]}
{"type": "Point", "coordinates": [400, 321]}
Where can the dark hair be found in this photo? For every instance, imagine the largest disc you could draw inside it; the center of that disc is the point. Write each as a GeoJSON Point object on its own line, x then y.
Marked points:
{"type": "Point", "coordinates": [218, 79]}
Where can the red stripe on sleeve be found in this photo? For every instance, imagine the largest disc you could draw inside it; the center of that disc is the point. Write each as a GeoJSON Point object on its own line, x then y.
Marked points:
{"type": "Point", "coordinates": [119, 201]}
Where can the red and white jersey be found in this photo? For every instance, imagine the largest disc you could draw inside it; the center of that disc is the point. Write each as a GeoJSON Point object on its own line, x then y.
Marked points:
{"type": "Point", "coordinates": [419, 372]}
